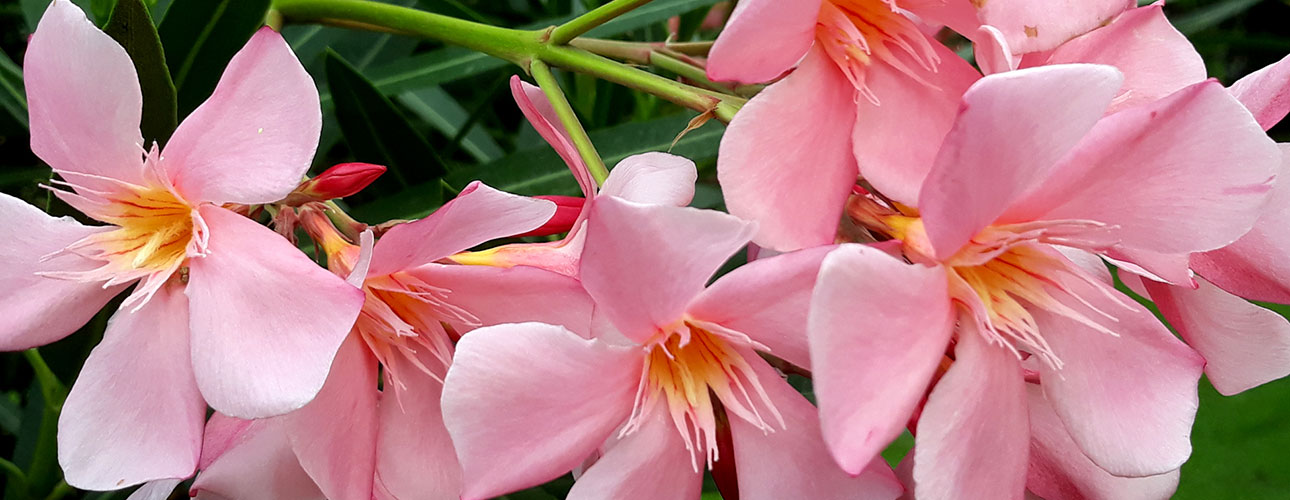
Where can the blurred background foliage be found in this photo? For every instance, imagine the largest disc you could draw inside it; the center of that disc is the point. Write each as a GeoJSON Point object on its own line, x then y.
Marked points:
{"type": "Point", "coordinates": [440, 117]}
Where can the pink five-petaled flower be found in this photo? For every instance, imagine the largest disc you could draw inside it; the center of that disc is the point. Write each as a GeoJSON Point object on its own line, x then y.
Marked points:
{"type": "Point", "coordinates": [670, 364]}
{"type": "Point", "coordinates": [356, 442]}
{"type": "Point", "coordinates": [1188, 173]}
{"type": "Point", "coordinates": [223, 311]}
{"type": "Point", "coordinates": [655, 178]}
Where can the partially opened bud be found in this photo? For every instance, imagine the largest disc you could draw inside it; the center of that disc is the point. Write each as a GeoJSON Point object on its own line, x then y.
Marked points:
{"type": "Point", "coordinates": [339, 181]}
{"type": "Point", "coordinates": [567, 209]}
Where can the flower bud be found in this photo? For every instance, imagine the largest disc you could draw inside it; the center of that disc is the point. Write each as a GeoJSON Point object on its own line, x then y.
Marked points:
{"type": "Point", "coordinates": [339, 181]}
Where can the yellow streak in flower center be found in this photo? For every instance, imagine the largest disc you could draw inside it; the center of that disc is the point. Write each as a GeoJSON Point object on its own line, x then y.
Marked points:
{"type": "Point", "coordinates": [685, 370]}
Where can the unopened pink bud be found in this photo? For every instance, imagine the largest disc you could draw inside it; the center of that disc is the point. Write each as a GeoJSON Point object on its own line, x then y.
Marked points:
{"type": "Point", "coordinates": [339, 181]}
{"type": "Point", "coordinates": [567, 209]}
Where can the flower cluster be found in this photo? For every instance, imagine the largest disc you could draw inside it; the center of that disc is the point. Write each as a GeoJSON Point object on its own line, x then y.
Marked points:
{"type": "Point", "coordinates": [928, 242]}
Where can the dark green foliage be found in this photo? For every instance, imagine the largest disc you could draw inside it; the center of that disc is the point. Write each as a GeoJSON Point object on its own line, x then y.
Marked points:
{"type": "Point", "coordinates": [131, 26]}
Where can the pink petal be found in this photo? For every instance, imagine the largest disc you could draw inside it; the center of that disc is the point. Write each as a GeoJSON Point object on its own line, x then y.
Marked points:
{"type": "Point", "coordinates": [1150, 171]}
{"type": "Point", "coordinates": [1244, 345]}
{"type": "Point", "coordinates": [83, 98]}
{"type": "Point", "coordinates": [222, 433]}
{"type": "Point", "coordinates": [986, 163]}
{"type": "Point", "coordinates": [495, 295]}
{"type": "Point", "coordinates": [648, 464]}
{"type": "Point", "coordinates": [652, 178]}
{"type": "Point", "coordinates": [976, 415]}
{"type": "Point", "coordinates": [1129, 401]}
{"type": "Point", "coordinates": [1032, 26]}
{"type": "Point", "coordinates": [786, 158]}
{"type": "Point", "coordinates": [1253, 267]}
{"type": "Point", "coordinates": [134, 414]}
{"type": "Point", "coordinates": [36, 310]}
{"type": "Point", "coordinates": [1059, 470]}
{"type": "Point", "coordinates": [794, 462]}
{"type": "Point", "coordinates": [767, 300]}
{"type": "Point", "coordinates": [266, 320]}
{"type": "Point", "coordinates": [763, 39]}
{"type": "Point", "coordinates": [643, 264]}
{"type": "Point", "coordinates": [259, 464]}
{"type": "Point", "coordinates": [896, 140]}
{"type": "Point", "coordinates": [1155, 58]}
{"type": "Point", "coordinates": [538, 395]}
{"type": "Point", "coordinates": [414, 455]}
{"type": "Point", "coordinates": [992, 52]}
{"type": "Point", "coordinates": [1265, 92]}
{"type": "Point", "coordinates": [537, 108]}
{"type": "Point", "coordinates": [479, 214]}
{"type": "Point", "coordinates": [1172, 268]}
{"type": "Point", "coordinates": [155, 490]}
{"type": "Point", "coordinates": [253, 139]}
{"type": "Point", "coordinates": [334, 436]}
{"type": "Point", "coordinates": [868, 380]}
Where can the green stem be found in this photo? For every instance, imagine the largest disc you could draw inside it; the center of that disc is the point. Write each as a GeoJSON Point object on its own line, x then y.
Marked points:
{"type": "Point", "coordinates": [50, 387]}
{"type": "Point", "coordinates": [687, 71]}
{"type": "Point", "coordinates": [566, 32]}
{"type": "Point", "coordinates": [542, 73]}
{"type": "Point", "coordinates": [15, 474]}
{"type": "Point", "coordinates": [517, 46]}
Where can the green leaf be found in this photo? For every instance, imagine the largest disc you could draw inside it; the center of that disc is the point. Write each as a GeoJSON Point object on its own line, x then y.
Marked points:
{"type": "Point", "coordinates": [1211, 15]}
{"type": "Point", "coordinates": [13, 96]}
{"type": "Point", "coordinates": [10, 412]}
{"type": "Point", "coordinates": [200, 37]}
{"type": "Point", "coordinates": [445, 114]}
{"type": "Point", "coordinates": [646, 15]}
{"type": "Point", "coordinates": [131, 26]}
{"type": "Point", "coordinates": [377, 132]}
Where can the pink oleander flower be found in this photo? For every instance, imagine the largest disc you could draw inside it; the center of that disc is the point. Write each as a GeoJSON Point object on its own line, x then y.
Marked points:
{"type": "Point", "coordinates": [1244, 345]}
{"type": "Point", "coordinates": [979, 282]}
{"type": "Point", "coordinates": [868, 80]}
{"type": "Point", "coordinates": [671, 366]}
{"type": "Point", "coordinates": [223, 310]}
{"type": "Point", "coordinates": [355, 442]}
{"type": "Point", "coordinates": [654, 178]}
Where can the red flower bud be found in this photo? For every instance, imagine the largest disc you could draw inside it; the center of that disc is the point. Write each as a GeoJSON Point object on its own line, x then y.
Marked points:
{"type": "Point", "coordinates": [567, 209]}
{"type": "Point", "coordinates": [339, 181]}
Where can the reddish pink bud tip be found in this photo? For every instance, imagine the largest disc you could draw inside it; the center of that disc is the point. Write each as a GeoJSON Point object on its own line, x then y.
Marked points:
{"type": "Point", "coordinates": [567, 209]}
{"type": "Point", "coordinates": [339, 181]}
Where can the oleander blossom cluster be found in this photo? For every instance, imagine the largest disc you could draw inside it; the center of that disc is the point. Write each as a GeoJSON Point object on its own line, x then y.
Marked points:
{"type": "Point", "coordinates": [955, 250]}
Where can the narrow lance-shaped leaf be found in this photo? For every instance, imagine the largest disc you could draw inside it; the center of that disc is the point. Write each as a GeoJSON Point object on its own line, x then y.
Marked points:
{"type": "Point", "coordinates": [200, 37]}
{"type": "Point", "coordinates": [131, 26]}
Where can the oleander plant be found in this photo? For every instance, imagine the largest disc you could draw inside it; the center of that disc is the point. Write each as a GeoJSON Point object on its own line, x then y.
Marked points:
{"type": "Point", "coordinates": [644, 249]}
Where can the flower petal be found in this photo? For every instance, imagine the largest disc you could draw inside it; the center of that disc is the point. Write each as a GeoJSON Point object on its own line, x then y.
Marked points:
{"type": "Point", "coordinates": [537, 394]}
{"type": "Point", "coordinates": [1034, 26]}
{"type": "Point", "coordinates": [495, 295]}
{"type": "Point", "coordinates": [36, 310]}
{"type": "Point", "coordinates": [537, 108]}
{"type": "Point", "coordinates": [259, 463]}
{"type": "Point", "coordinates": [334, 436]}
{"type": "Point", "coordinates": [785, 160]}
{"type": "Point", "coordinates": [869, 380]}
{"type": "Point", "coordinates": [135, 414]}
{"type": "Point", "coordinates": [1150, 171]}
{"type": "Point", "coordinates": [155, 490]}
{"type": "Point", "coordinates": [83, 98]}
{"type": "Point", "coordinates": [895, 140]}
{"type": "Point", "coordinates": [1265, 92]}
{"type": "Point", "coordinates": [480, 213]}
{"type": "Point", "coordinates": [648, 464]}
{"type": "Point", "coordinates": [253, 139]}
{"type": "Point", "coordinates": [762, 40]}
{"type": "Point", "coordinates": [794, 462]}
{"type": "Point", "coordinates": [266, 320]}
{"type": "Point", "coordinates": [975, 415]}
{"type": "Point", "coordinates": [643, 264]}
{"type": "Point", "coordinates": [1155, 58]}
{"type": "Point", "coordinates": [1129, 401]}
{"type": "Point", "coordinates": [1059, 469]}
{"type": "Point", "coordinates": [992, 52]}
{"type": "Point", "coordinates": [652, 178]}
{"type": "Point", "coordinates": [986, 164]}
{"type": "Point", "coordinates": [1254, 266]}
{"type": "Point", "coordinates": [767, 300]}
{"type": "Point", "coordinates": [414, 454]}
{"type": "Point", "coordinates": [1244, 345]}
